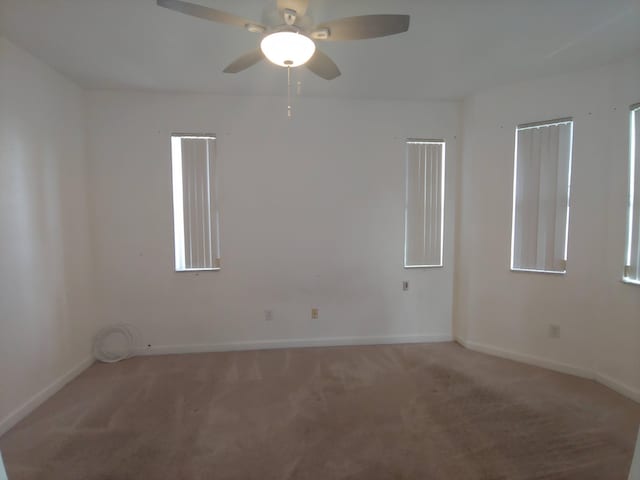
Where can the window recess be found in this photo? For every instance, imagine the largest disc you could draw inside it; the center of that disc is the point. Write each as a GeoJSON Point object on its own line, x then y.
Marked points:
{"type": "Point", "coordinates": [195, 206]}
{"type": "Point", "coordinates": [541, 196]}
{"type": "Point", "coordinates": [424, 203]}
{"type": "Point", "coordinates": [631, 272]}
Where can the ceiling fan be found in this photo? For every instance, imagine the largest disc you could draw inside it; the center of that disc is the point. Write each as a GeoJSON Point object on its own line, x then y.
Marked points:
{"type": "Point", "coordinates": [289, 34]}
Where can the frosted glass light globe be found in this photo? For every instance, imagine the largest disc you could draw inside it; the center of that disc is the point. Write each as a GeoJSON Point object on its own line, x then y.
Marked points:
{"type": "Point", "coordinates": [288, 49]}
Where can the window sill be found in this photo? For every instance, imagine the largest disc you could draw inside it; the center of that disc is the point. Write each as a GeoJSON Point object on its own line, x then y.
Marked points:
{"type": "Point", "coordinates": [546, 272]}
{"type": "Point", "coordinates": [198, 270]}
{"type": "Point", "coordinates": [423, 266]}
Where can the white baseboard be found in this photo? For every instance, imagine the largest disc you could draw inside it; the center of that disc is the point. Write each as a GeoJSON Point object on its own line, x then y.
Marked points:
{"type": "Point", "coordinates": [292, 343]}
{"type": "Point", "coordinates": [622, 388]}
{"type": "Point", "coordinates": [36, 400]}
{"type": "Point", "coordinates": [613, 384]}
{"type": "Point", "coordinates": [39, 398]}
{"type": "Point", "coordinates": [528, 359]}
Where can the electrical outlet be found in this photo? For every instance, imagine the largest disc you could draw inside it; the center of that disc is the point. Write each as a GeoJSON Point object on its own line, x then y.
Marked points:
{"type": "Point", "coordinates": [405, 285]}
{"type": "Point", "coordinates": [554, 331]}
{"type": "Point", "coordinates": [268, 315]}
{"type": "Point", "coordinates": [314, 313]}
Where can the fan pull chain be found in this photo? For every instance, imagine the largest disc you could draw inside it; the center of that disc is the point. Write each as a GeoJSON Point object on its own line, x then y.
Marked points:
{"type": "Point", "coordinates": [289, 91]}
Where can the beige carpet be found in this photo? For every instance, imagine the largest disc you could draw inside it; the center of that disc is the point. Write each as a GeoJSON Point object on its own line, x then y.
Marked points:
{"type": "Point", "coordinates": [377, 413]}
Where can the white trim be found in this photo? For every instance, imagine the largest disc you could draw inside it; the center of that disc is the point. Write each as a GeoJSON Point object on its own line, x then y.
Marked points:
{"type": "Point", "coordinates": [194, 137]}
{"type": "Point", "coordinates": [631, 192]}
{"type": "Point", "coordinates": [538, 125]}
{"type": "Point", "coordinates": [443, 162]}
{"type": "Point", "coordinates": [293, 343]}
{"type": "Point", "coordinates": [424, 266]}
{"type": "Point", "coordinates": [528, 359]}
{"type": "Point", "coordinates": [513, 200]}
{"type": "Point", "coordinates": [418, 141]}
{"type": "Point", "coordinates": [177, 189]}
{"type": "Point", "coordinates": [634, 472]}
{"type": "Point", "coordinates": [569, 173]}
{"type": "Point", "coordinates": [533, 270]}
{"type": "Point", "coordinates": [616, 385]}
{"type": "Point", "coordinates": [613, 384]}
{"type": "Point", "coordinates": [544, 124]}
{"type": "Point", "coordinates": [609, 382]}
{"type": "Point", "coordinates": [187, 270]}
{"type": "Point", "coordinates": [8, 422]}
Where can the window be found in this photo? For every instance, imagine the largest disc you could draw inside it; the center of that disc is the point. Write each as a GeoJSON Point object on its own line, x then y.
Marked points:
{"type": "Point", "coordinates": [541, 189]}
{"type": "Point", "coordinates": [195, 209]}
{"type": "Point", "coordinates": [424, 203]}
{"type": "Point", "coordinates": [632, 257]}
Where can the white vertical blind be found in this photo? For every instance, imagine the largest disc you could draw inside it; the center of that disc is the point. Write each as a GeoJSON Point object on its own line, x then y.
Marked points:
{"type": "Point", "coordinates": [194, 203]}
{"type": "Point", "coordinates": [424, 203]}
{"type": "Point", "coordinates": [632, 261]}
{"type": "Point", "coordinates": [541, 196]}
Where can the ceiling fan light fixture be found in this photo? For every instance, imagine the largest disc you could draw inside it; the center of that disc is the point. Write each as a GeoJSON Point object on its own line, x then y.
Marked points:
{"type": "Point", "coordinates": [288, 48]}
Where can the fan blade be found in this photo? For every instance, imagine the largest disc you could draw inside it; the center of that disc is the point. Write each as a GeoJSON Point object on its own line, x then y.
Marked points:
{"type": "Point", "coordinates": [323, 66]}
{"type": "Point", "coordinates": [245, 61]}
{"type": "Point", "coordinates": [299, 6]}
{"type": "Point", "coordinates": [365, 26]}
{"type": "Point", "coordinates": [207, 13]}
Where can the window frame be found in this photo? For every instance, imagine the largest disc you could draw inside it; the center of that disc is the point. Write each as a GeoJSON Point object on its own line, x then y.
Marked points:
{"type": "Point", "coordinates": [631, 193]}
{"type": "Point", "coordinates": [525, 126]}
{"type": "Point", "coordinates": [215, 220]}
{"type": "Point", "coordinates": [423, 141]}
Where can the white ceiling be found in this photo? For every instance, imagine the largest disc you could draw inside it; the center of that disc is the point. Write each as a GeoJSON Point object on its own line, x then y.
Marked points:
{"type": "Point", "coordinates": [453, 47]}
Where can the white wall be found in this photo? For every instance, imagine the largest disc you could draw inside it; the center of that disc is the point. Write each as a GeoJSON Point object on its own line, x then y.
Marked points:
{"type": "Point", "coordinates": [311, 216]}
{"type": "Point", "coordinates": [46, 311]}
{"type": "Point", "coordinates": [503, 311]}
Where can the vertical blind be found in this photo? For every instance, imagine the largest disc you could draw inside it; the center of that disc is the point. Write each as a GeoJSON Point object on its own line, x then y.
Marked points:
{"type": "Point", "coordinates": [632, 262]}
{"type": "Point", "coordinates": [541, 196]}
{"type": "Point", "coordinates": [194, 203]}
{"type": "Point", "coordinates": [424, 203]}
